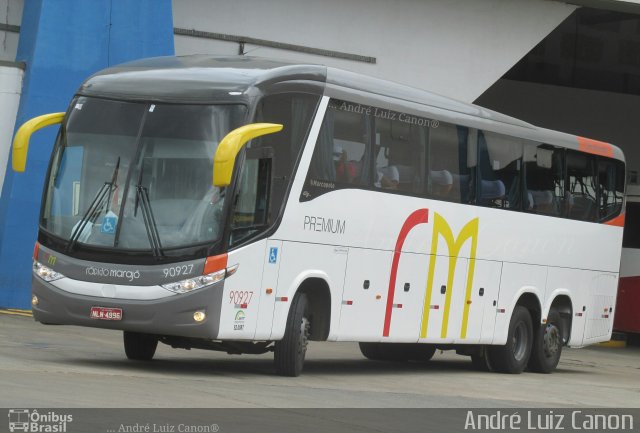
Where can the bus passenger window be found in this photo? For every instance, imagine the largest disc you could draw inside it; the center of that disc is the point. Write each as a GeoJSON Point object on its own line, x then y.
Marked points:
{"type": "Point", "coordinates": [500, 162]}
{"type": "Point", "coordinates": [340, 158]}
{"type": "Point", "coordinates": [544, 179]}
{"type": "Point", "coordinates": [451, 162]}
{"type": "Point", "coordinates": [611, 188]}
{"type": "Point", "coordinates": [580, 203]}
{"type": "Point", "coordinates": [399, 148]}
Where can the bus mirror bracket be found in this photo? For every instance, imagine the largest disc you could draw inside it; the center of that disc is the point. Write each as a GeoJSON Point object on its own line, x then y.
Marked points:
{"type": "Point", "coordinates": [21, 140]}
{"type": "Point", "coordinates": [230, 146]}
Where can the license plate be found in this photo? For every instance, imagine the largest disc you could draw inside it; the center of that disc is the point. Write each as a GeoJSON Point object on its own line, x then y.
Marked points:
{"type": "Point", "coordinates": [104, 313]}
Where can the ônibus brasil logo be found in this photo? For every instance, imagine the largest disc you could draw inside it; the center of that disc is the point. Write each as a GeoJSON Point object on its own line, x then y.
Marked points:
{"type": "Point", "coordinates": [31, 421]}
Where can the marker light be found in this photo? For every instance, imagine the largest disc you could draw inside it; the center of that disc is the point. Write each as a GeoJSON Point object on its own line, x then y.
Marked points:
{"type": "Point", "coordinates": [191, 284]}
{"type": "Point", "coordinates": [199, 316]}
{"type": "Point", "coordinates": [45, 272]}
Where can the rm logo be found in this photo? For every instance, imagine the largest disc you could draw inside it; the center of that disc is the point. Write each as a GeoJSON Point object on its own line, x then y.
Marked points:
{"type": "Point", "coordinates": [51, 260]}
{"type": "Point", "coordinates": [441, 229]}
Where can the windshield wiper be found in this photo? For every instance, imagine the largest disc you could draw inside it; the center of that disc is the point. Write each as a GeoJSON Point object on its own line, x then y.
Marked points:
{"type": "Point", "coordinates": [142, 197]}
{"type": "Point", "coordinates": [142, 200]}
{"type": "Point", "coordinates": [95, 208]}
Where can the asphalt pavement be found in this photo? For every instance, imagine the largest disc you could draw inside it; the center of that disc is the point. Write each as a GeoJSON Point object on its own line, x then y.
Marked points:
{"type": "Point", "coordinates": [72, 367]}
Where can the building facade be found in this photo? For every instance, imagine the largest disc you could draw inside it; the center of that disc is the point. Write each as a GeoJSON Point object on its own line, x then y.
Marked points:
{"type": "Point", "coordinates": [567, 65]}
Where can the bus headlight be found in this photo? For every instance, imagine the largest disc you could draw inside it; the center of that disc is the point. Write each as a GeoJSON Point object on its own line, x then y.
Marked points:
{"type": "Point", "coordinates": [196, 283]}
{"type": "Point", "coordinates": [45, 272]}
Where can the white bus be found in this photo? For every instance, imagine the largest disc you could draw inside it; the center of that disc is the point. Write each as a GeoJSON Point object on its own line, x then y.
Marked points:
{"type": "Point", "coordinates": [342, 208]}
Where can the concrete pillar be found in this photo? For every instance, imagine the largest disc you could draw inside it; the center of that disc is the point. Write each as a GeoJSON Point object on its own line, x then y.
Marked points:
{"type": "Point", "coordinates": [62, 42]}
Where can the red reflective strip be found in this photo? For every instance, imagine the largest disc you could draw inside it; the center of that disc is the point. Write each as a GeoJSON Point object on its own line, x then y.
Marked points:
{"type": "Point", "coordinates": [36, 250]}
{"type": "Point", "coordinates": [215, 264]}
{"type": "Point", "coordinates": [501, 310]}
{"type": "Point", "coordinates": [420, 216]}
{"type": "Point", "coordinates": [435, 307]}
{"type": "Point", "coordinates": [578, 314]}
{"type": "Point", "coordinates": [617, 221]}
{"type": "Point", "coordinates": [347, 302]}
{"type": "Point", "coordinates": [282, 299]}
{"type": "Point", "coordinates": [243, 305]}
{"type": "Point", "coordinates": [595, 147]}
{"type": "Point", "coordinates": [397, 305]}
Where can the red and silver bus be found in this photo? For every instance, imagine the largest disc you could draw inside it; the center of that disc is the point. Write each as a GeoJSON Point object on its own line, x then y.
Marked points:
{"type": "Point", "coordinates": [627, 317]}
{"type": "Point", "coordinates": [248, 205]}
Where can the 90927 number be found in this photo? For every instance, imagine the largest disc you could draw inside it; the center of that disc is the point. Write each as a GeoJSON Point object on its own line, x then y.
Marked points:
{"type": "Point", "coordinates": [239, 297]}
{"type": "Point", "coordinates": [176, 271]}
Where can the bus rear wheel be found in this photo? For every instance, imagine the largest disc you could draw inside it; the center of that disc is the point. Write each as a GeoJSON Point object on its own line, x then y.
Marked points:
{"type": "Point", "coordinates": [513, 357]}
{"type": "Point", "coordinates": [547, 345]}
{"type": "Point", "coordinates": [139, 347]}
{"type": "Point", "coordinates": [289, 353]}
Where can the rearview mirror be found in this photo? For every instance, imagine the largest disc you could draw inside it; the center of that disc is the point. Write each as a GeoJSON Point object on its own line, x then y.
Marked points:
{"type": "Point", "coordinates": [21, 140]}
{"type": "Point", "coordinates": [230, 146]}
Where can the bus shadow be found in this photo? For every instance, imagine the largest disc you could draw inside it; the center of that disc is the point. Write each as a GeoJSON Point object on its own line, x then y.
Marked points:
{"type": "Point", "coordinates": [264, 366]}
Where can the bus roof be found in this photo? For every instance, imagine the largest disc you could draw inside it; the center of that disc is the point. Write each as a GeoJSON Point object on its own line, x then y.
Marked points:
{"type": "Point", "coordinates": [207, 78]}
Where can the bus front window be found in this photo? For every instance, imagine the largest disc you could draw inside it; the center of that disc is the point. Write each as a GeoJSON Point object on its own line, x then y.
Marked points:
{"type": "Point", "coordinates": [138, 176]}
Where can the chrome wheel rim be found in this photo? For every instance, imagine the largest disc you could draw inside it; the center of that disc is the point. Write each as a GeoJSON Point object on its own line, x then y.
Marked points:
{"type": "Point", "coordinates": [520, 341]}
{"type": "Point", "coordinates": [551, 340]}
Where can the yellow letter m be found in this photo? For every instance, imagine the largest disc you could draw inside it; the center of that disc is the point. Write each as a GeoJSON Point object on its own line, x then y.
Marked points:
{"type": "Point", "coordinates": [441, 228]}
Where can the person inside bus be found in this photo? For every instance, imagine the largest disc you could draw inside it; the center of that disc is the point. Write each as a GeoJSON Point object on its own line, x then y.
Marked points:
{"type": "Point", "coordinates": [387, 177]}
{"type": "Point", "coordinates": [441, 182]}
{"type": "Point", "coordinates": [346, 171]}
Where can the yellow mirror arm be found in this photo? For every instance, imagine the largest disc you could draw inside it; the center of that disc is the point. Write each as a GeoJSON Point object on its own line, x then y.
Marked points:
{"type": "Point", "coordinates": [231, 145]}
{"type": "Point", "coordinates": [21, 140]}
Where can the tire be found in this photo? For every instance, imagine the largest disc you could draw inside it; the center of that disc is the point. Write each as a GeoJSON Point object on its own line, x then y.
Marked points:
{"type": "Point", "coordinates": [547, 345]}
{"type": "Point", "coordinates": [421, 352]}
{"type": "Point", "coordinates": [290, 352]}
{"type": "Point", "coordinates": [372, 351]}
{"type": "Point", "coordinates": [481, 360]}
{"type": "Point", "coordinates": [139, 347]}
{"type": "Point", "coordinates": [397, 352]}
{"type": "Point", "coordinates": [512, 358]}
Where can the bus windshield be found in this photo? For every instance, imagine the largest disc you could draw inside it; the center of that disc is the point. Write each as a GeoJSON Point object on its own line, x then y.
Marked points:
{"type": "Point", "coordinates": [129, 175]}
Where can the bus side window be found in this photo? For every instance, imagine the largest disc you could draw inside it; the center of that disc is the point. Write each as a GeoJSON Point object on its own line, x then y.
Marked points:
{"type": "Point", "coordinates": [340, 158]}
{"type": "Point", "coordinates": [450, 174]}
{"type": "Point", "coordinates": [581, 198]}
{"type": "Point", "coordinates": [500, 165]}
{"type": "Point", "coordinates": [294, 111]}
{"type": "Point", "coordinates": [544, 179]}
{"type": "Point", "coordinates": [398, 151]}
{"type": "Point", "coordinates": [611, 188]}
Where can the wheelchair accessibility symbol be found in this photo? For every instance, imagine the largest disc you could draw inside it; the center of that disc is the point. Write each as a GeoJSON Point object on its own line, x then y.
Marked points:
{"type": "Point", "coordinates": [109, 223]}
{"type": "Point", "coordinates": [273, 255]}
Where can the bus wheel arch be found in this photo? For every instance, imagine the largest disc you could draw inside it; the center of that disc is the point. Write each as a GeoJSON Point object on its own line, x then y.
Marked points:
{"type": "Point", "coordinates": [564, 307]}
{"type": "Point", "coordinates": [319, 307]}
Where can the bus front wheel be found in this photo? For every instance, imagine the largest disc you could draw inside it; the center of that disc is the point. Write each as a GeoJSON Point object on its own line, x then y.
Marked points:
{"type": "Point", "coordinates": [513, 357]}
{"type": "Point", "coordinates": [547, 345]}
{"type": "Point", "coordinates": [289, 353]}
{"type": "Point", "coordinates": [139, 347]}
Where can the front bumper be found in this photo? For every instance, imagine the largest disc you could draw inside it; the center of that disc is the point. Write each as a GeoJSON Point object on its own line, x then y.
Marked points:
{"type": "Point", "coordinates": [172, 315]}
